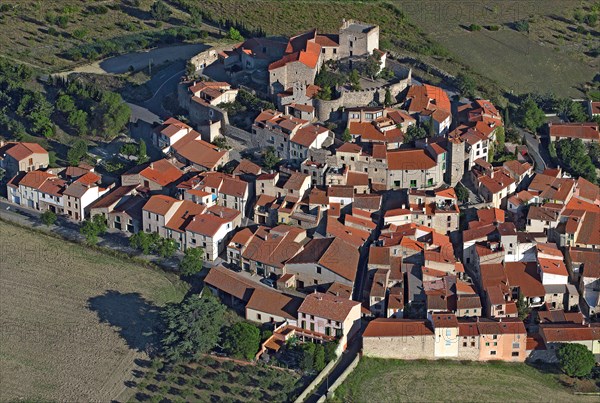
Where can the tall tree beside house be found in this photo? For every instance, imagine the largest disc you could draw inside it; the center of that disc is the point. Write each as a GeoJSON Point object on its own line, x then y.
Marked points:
{"type": "Point", "coordinates": [142, 152]}
{"type": "Point", "coordinates": [270, 158]}
{"type": "Point", "coordinates": [319, 358]}
{"type": "Point", "coordinates": [165, 247]}
{"type": "Point", "coordinates": [523, 308]}
{"type": "Point", "coordinates": [2, 173]}
{"type": "Point", "coordinates": [575, 360]}
{"type": "Point", "coordinates": [192, 327]}
{"type": "Point", "coordinates": [330, 348]}
{"type": "Point", "coordinates": [461, 193]}
{"type": "Point", "coordinates": [500, 138]}
{"type": "Point", "coordinates": [532, 116]}
{"type": "Point", "coordinates": [242, 340]}
{"type": "Point", "coordinates": [48, 217]}
{"type": "Point", "coordinates": [388, 101]}
{"type": "Point", "coordinates": [93, 228]}
{"type": "Point", "coordinates": [307, 358]}
{"type": "Point", "coordinates": [346, 136]}
{"type": "Point", "coordinates": [414, 133]}
{"type": "Point", "coordinates": [192, 262]}
{"type": "Point", "coordinates": [142, 241]}
{"type": "Point", "coordinates": [575, 158]}
{"type": "Point", "coordinates": [354, 79]}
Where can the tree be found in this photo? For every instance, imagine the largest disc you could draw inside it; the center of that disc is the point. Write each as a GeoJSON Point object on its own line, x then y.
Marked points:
{"type": "Point", "coordinates": [142, 152]}
{"type": "Point", "coordinates": [160, 11]}
{"type": "Point", "coordinates": [330, 348]}
{"type": "Point", "coordinates": [354, 79]}
{"type": "Point", "coordinates": [594, 152]}
{"type": "Point", "coordinates": [500, 138]}
{"type": "Point", "coordinates": [65, 103]}
{"type": "Point", "coordinates": [552, 150]}
{"type": "Point", "coordinates": [575, 158]}
{"type": "Point", "coordinates": [192, 327]}
{"type": "Point", "coordinates": [414, 133]}
{"type": "Point", "coordinates": [523, 308]}
{"type": "Point", "coordinates": [2, 173]}
{"type": "Point", "coordinates": [319, 358]}
{"type": "Point", "coordinates": [165, 247]}
{"type": "Point", "coordinates": [465, 84]}
{"type": "Point", "coordinates": [192, 261]}
{"type": "Point", "coordinates": [270, 158]}
{"type": "Point", "coordinates": [461, 193]}
{"type": "Point", "coordinates": [577, 112]}
{"type": "Point", "coordinates": [575, 360]}
{"type": "Point", "coordinates": [234, 34]}
{"type": "Point", "coordinates": [307, 359]}
{"type": "Point", "coordinates": [324, 93]}
{"type": "Point", "coordinates": [346, 136]}
{"type": "Point", "coordinates": [242, 340]}
{"type": "Point", "coordinates": [78, 120]}
{"type": "Point", "coordinates": [77, 151]}
{"type": "Point", "coordinates": [532, 116]}
{"type": "Point", "coordinates": [142, 241]}
{"type": "Point", "coordinates": [48, 217]}
{"type": "Point", "coordinates": [388, 101]}
{"type": "Point", "coordinates": [91, 229]}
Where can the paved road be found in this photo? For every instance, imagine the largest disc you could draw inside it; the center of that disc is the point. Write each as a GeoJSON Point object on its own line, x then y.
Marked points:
{"type": "Point", "coordinates": [537, 151]}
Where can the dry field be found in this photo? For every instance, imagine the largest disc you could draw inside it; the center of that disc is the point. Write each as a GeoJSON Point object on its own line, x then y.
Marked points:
{"type": "Point", "coordinates": [72, 320]}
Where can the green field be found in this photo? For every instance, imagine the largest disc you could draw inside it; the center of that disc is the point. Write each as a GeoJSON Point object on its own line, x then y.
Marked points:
{"type": "Point", "coordinates": [74, 320]}
{"type": "Point", "coordinates": [377, 380]}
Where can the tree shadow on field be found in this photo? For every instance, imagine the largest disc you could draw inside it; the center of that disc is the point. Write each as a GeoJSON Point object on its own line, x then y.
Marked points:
{"type": "Point", "coordinates": [136, 318]}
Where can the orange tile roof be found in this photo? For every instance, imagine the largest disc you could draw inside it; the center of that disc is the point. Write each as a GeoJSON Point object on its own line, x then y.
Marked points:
{"type": "Point", "coordinates": [20, 151]}
{"type": "Point", "coordinates": [161, 172]}
{"type": "Point", "coordinates": [160, 204]}
{"type": "Point", "coordinates": [327, 306]}
{"type": "Point", "coordinates": [584, 131]}
{"type": "Point", "coordinates": [35, 179]}
{"type": "Point", "coordinates": [388, 327]}
{"type": "Point", "coordinates": [411, 159]}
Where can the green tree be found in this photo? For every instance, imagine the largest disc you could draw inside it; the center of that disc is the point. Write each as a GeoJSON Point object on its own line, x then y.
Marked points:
{"type": "Point", "coordinates": [354, 79]}
{"type": "Point", "coordinates": [532, 116]}
{"type": "Point", "coordinates": [48, 218]}
{"type": "Point", "coordinates": [270, 158]}
{"type": "Point", "coordinates": [552, 150]}
{"type": "Point", "coordinates": [465, 84]}
{"type": "Point", "coordinates": [2, 173]}
{"type": "Point", "coordinates": [461, 193]}
{"type": "Point", "coordinates": [388, 101]}
{"type": "Point", "coordinates": [575, 360]}
{"type": "Point", "coordinates": [192, 327]}
{"type": "Point", "coordinates": [577, 112]}
{"type": "Point", "coordinates": [77, 151]}
{"type": "Point", "coordinates": [165, 247]}
{"type": "Point", "coordinates": [242, 340]}
{"type": "Point", "coordinates": [142, 152]}
{"type": "Point", "coordinates": [523, 308]}
{"type": "Point", "coordinates": [160, 11]}
{"type": "Point", "coordinates": [324, 93]}
{"type": "Point", "coordinates": [307, 358]}
{"type": "Point", "coordinates": [234, 34]}
{"type": "Point", "coordinates": [78, 120]}
{"type": "Point", "coordinates": [594, 153]}
{"type": "Point", "coordinates": [142, 241]}
{"type": "Point", "coordinates": [346, 136]}
{"type": "Point", "coordinates": [330, 348]}
{"type": "Point", "coordinates": [65, 103]}
{"type": "Point", "coordinates": [319, 358]}
{"type": "Point", "coordinates": [413, 133]}
{"type": "Point", "coordinates": [575, 158]}
{"type": "Point", "coordinates": [110, 115]}
{"type": "Point", "coordinates": [91, 229]}
{"type": "Point", "coordinates": [192, 261]}
{"type": "Point", "coordinates": [500, 138]}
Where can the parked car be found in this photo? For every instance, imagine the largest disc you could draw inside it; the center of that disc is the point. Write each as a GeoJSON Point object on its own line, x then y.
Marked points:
{"type": "Point", "coordinates": [268, 282]}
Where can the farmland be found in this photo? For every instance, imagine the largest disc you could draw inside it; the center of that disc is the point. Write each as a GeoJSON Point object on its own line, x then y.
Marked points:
{"type": "Point", "coordinates": [74, 320]}
{"type": "Point", "coordinates": [426, 381]}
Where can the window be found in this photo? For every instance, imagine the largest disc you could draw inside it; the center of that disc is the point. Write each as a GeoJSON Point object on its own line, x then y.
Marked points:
{"type": "Point", "coordinates": [495, 337]}
{"type": "Point", "coordinates": [258, 316]}
{"type": "Point", "coordinates": [413, 183]}
{"type": "Point", "coordinates": [495, 344]}
{"type": "Point", "coordinates": [492, 352]}
{"type": "Point", "coordinates": [515, 345]}
{"type": "Point", "coordinates": [464, 344]}
{"type": "Point", "coordinates": [487, 344]}
{"type": "Point", "coordinates": [318, 270]}
{"type": "Point", "coordinates": [515, 354]}
{"type": "Point", "coordinates": [472, 344]}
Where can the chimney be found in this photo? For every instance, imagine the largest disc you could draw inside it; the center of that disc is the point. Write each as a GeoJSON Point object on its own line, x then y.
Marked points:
{"type": "Point", "coordinates": [152, 165]}
{"type": "Point", "coordinates": [221, 214]}
{"type": "Point", "coordinates": [1, 143]}
{"type": "Point", "coordinates": [500, 320]}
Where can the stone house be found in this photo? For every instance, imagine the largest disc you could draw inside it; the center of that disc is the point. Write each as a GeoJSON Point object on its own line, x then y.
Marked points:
{"type": "Point", "coordinates": [22, 157]}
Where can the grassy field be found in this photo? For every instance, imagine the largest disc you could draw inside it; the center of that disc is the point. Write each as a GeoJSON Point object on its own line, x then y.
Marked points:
{"type": "Point", "coordinates": [551, 57]}
{"type": "Point", "coordinates": [73, 320]}
{"type": "Point", "coordinates": [378, 380]}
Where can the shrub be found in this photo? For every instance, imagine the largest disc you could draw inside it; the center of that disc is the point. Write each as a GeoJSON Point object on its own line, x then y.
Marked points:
{"type": "Point", "coordinates": [474, 27]}
{"type": "Point", "coordinates": [522, 26]}
{"type": "Point", "coordinates": [48, 218]}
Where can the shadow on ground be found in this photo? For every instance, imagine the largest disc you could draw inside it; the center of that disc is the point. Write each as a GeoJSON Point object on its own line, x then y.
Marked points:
{"type": "Point", "coordinates": [135, 318]}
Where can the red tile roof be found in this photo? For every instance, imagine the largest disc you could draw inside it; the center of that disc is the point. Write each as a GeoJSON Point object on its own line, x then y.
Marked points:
{"type": "Point", "coordinates": [327, 306]}
{"type": "Point", "coordinates": [415, 159]}
{"type": "Point", "coordinates": [387, 327]}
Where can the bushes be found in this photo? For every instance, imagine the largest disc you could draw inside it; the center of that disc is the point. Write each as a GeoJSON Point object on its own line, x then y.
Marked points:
{"type": "Point", "coordinates": [474, 27]}
{"type": "Point", "coordinates": [575, 360]}
{"type": "Point", "coordinates": [242, 340]}
{"type": "Point", "coordinates": [153, 243]}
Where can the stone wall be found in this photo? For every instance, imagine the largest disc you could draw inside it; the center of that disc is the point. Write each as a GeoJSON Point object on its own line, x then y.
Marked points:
{"type": "Point", "coordinates": [403, 348]}
{"type": "Point", "coordinates": [326, 110]}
